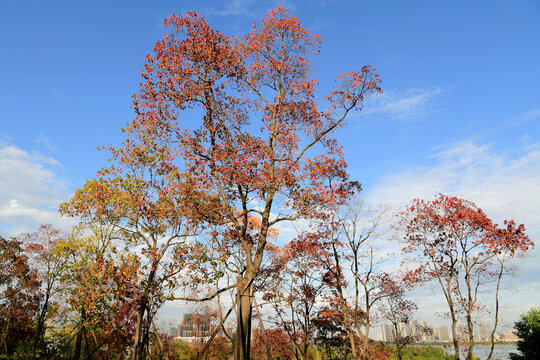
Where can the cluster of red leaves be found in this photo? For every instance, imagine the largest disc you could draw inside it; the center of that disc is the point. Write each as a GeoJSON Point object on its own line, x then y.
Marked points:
{"type": "Point", "coordinates": [280, 345]}
{"type": "Point", "coordinates": [444, 227]}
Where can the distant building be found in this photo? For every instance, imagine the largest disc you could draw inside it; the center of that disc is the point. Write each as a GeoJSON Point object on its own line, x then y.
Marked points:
{"type": "Point", "coordinates": [418, 328]}
{"type": "Point", "coordinates": [197, 327]}
{"type": "Point", "coordinates": [388, 333]}
{"type": "Point", "coordinates": [441, 334]}
{"type": "Point", "coordinates": [509, 336]}
{"type": "Point", "coordinates": [404, 329]}
{"type": "Point", "coordinates": [415, 328]}
{"type": "Point", "coordinates": [194, 325]}
{"type": "Point", "coordinates": [482, 333]}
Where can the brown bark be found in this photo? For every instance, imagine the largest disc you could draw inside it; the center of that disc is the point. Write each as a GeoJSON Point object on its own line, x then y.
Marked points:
{"type": "Point", "coordinates": [492, 338]}
{"type": "Point", "coordinates": [243, 323]}
{"type": "Point", "coordinates": [138, 353]}
{"type": "Point", "coordinates": [454, 333]}
{"type": "Point", "coordinates": [78, 344]}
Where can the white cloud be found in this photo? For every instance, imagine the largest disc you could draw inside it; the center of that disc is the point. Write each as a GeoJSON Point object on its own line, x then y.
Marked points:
{"type": "Point", "coordinates": [30, 191]}
{"type": "Point", "coordinates": [503, 187]}
{"type": "Point", "coordinates": [43, 140]}
{"type": "Point", "coordinates": [527, 116]}
{"type": "Point", "coordinates": [258, 9]}
{"type": "Point", "coordinates": [238, 8]}
{"type": "Point", "coordinates": [403, 105]}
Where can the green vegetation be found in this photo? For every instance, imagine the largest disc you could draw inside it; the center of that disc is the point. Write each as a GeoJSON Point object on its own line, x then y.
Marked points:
{"type": "Point", "coordinates": [528, 331]}
{"type": "Point", "coordinates": [421, 353]}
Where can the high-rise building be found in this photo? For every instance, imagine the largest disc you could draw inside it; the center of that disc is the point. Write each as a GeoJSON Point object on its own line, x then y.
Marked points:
{"type": "Point", "coordinates": [482, 332]}
{"type": "Point", "coordinates": [388, 333]}
{"type": "Point", "coordinates": [419, 327]}
{"type": "Point", "coordinates": [441, 334]}
{"type": "Point", "coordinates": [404, 329]}
{"type": "Point", "coordinates": [193, 325]}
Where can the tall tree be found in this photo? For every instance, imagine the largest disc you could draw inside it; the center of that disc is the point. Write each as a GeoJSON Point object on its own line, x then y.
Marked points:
{"type": "Point", "coordinates": [457, 245]}
{"type": "Point", "coordinates": [398, 310]}
{"type": "Point", "coordinates": [263, 142]}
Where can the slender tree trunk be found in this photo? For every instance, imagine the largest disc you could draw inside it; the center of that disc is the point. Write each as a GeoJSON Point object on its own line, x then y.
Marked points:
{"type": "Point", "coordinates": [40, 328]}
{"type": "Point", "coordinates": [365, 342]}
{"type": "Point", "coordinates": [160, 343]}
{"type": "Point", "coordinates": [352, 341]}
{"type": "Point", "coordinates": [470, 329]}
{"type": "Point", "coordinates": [398, 348]}
{"type": "Point", "coordinates": [243, 322]}
{"type": "Point", "coordinates": [470, 304]}
{"type": "Point", "coordinates": [496, 312]}
{"type": "Point", "coordinates": [454, 334]}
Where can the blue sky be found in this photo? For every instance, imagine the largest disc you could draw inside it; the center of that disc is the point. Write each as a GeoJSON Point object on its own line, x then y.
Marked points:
{"type": "Point", "coordinates": [460, 113]}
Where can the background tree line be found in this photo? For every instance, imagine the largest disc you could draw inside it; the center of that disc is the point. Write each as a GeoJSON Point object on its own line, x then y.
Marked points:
{"type": "Point", "coordinates": [78, 295]}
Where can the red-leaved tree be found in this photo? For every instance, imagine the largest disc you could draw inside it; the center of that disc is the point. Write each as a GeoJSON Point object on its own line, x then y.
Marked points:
{"type": "Point", "coordinates": [464, 251]}
{"type": "Point", "coordinates": [262, 143]}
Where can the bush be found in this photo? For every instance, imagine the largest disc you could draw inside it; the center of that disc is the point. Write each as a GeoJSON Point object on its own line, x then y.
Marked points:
{"type": "Point", "coordinates": [528, 332]}
{"type": "Point", "coordinates": [421, 353]}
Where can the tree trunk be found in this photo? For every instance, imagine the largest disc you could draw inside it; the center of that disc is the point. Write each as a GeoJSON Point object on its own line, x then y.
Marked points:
{"type": "Point", "coordinates": [365, 344]}
{"type": "Point", "coordinates": [492, 337]}
{"type": "Point", "coordinates": [352, 342]}
{"type": "Point", "coordinates": [454, 334]}
{"type": "Point", "coordinates": [138, 349]}
{"type": "Point", "coordinates": [243, 320]}
{"type": "Point", "coordinates": [470, 328]}
{"type": "Point", "coordinates": [40, 328]}
{"type": "Point", "coordinates": [399, 349]}
{"type": "Point", "coordinates": [78, 344]}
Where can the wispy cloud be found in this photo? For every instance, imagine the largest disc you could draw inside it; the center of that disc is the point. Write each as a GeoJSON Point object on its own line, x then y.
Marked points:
{"type": "Point", "coordinates": [43, 140]}
{"type": "Point", "coordinates": [31, 188]}
{"type": "Point", "coordinates": [404, 105]}
{"type": "Point", "coordinates": [239, 8]}
{"type": "Point", "coordinates": [505, 186]}
{"type": "Point", "coordinates": [527, 116]}
{"type": "Point", "coordinates": [257, 9]}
